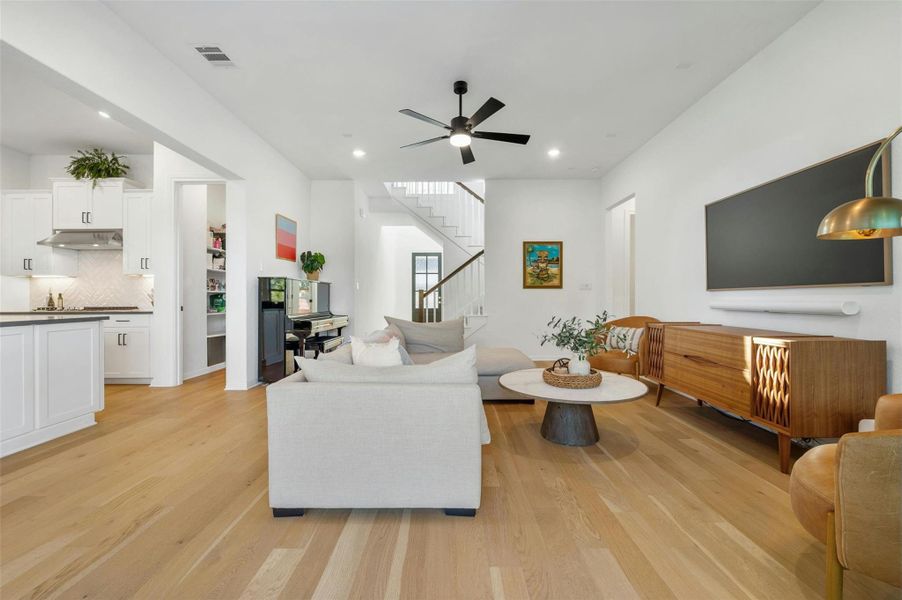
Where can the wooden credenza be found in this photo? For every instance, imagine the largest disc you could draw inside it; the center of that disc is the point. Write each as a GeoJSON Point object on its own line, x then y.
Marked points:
{"type": "Point", "coordinates": [797, 385]}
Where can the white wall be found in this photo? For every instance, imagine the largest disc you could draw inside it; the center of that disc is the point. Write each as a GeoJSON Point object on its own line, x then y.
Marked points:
{"type": "Point", "coordinates": [820, 89]}
{"type": "Point", "coordinates": [14, 169]}
{"type": "Point", "coordinates": [538, 210]}
{"type": "Point", "coordinates": [384, 242]}
{"type": "Point", "coordinates": [332, 213]}
{"type": "Point", "coordinates": [44, 166]}
{"type": "Point", "coordinates": [73, 42]}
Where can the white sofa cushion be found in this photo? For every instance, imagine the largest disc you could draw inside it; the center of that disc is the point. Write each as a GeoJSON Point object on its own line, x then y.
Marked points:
{"type": "Point", "coordinates": [456, 368]}
{"type": "Point", "coordinates": [446, 336]}
{"type": "Point", "coordinates": [375, 354]}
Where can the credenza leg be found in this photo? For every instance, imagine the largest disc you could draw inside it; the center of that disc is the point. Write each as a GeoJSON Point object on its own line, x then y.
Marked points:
{"type": "Point", "coordinates": [784, 442]}
{"type": "Point", "coordinates": [660, 393]}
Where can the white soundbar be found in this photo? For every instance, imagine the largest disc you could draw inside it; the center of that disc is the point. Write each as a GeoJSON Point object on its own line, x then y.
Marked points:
{"type": "Point", "coordinates": [839, 308]}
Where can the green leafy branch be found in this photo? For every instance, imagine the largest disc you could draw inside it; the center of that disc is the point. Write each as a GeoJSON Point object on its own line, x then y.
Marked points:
{"type": "Point", "coordinates": [96, 164]}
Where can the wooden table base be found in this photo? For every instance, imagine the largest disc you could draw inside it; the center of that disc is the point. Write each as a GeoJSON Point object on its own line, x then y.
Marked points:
{"type": "Point", "coordinates": [569, 424]}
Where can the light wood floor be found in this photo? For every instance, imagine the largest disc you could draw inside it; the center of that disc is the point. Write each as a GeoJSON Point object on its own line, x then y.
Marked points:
{"type": "Point", "coordinates": [166, 498]}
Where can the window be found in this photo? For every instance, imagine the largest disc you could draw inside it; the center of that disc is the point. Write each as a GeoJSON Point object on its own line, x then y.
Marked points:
{"type": "Point", "coordinates": [427, 271]}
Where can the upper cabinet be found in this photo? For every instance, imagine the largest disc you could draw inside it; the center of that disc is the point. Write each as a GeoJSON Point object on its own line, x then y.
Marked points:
{"type": "Point", "coordinates": [83, 205]}
{"type": "Point", "coordinates": [137, 232]}
{"type": "Point", "coordinates": [26, 217]}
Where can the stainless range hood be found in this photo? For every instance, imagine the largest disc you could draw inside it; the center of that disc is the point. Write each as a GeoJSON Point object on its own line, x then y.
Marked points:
{"type": "Point", "coordinates": [108, 239]}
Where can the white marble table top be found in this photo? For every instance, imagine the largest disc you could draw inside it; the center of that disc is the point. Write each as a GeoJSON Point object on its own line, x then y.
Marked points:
{"type": "Point", "coordinates": [614, 388]}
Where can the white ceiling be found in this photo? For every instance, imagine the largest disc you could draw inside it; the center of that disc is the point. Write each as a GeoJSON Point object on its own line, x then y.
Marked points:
{"type": "Point", "coordinates": [597, 80]}
{"type": "Point", "coordinates": [37, 118]}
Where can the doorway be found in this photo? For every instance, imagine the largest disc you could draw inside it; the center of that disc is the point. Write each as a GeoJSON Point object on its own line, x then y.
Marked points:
{"type": "Point", "coordinates": [426, 272]}
{"type": "Point", "coordinates": [621, 252]}
{"type": "Point", "coordinates": [202, 251]}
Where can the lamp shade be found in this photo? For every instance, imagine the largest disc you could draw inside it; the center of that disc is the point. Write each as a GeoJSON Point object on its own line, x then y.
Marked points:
{"type": "Point", "coordinates": [863, 219]}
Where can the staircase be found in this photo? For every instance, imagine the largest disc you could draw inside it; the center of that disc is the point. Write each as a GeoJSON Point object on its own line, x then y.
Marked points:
{"type": "Point", "coordinates": [457, 213]}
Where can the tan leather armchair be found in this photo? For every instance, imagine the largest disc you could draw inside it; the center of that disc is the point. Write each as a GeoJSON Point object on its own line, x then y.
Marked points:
{"type": "Point", "coordinates": [849, 496]}
{"type": "Point", "coordinates": [616, 361]}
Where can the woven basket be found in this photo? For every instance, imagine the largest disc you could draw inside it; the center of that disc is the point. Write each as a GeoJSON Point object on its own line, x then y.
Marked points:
{"type": "Point", "coordinates": [573, 382]}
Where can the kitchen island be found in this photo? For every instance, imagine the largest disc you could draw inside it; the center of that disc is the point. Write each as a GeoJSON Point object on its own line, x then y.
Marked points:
{"type": "Point", "coordinates": [51, 377]}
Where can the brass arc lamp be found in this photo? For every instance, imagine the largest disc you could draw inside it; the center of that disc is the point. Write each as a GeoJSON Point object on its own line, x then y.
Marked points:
{"type": "Point", "coordinates": [866, 218]}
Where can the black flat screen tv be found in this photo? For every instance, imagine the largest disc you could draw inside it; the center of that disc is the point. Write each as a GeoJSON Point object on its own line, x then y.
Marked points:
{"type": "Point", "coordinates": [766, 237]}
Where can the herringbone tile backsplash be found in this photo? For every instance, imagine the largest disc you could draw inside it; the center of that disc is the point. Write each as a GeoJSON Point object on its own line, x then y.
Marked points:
{"type": "Point", "coordinates": [100, 282]}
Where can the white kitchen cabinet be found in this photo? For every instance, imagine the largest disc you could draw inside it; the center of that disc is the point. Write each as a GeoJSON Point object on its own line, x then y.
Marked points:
{"type": "Point", "coordinates": [137, 232]}
{"type": "Point", "coordinates": [68, 363]}
{"type": "Point", "coordinates": [51, 382]}
{"type": "Point", "coordinates": [79, 204]}
{"type": "Point", "coordinates": [16, 381]}
{"type": "Point", "coordinates": [27, 217]}
{"type": "Point", "coordinates": [126, 343]}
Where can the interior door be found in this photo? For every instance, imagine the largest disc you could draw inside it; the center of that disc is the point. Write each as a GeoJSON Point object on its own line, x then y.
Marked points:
{"type": "Point", "coordinates": [427, 272]}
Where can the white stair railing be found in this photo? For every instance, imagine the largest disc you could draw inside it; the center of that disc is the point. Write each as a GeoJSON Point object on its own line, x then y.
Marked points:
{"type": "Point", "coordinates": [460, 294]}
{"type": "Point", "coordinates": [453, 203]}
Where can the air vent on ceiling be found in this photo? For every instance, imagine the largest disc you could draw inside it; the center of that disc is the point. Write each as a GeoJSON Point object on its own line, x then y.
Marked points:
{"type": "Point", "coordinates": [215, 56]}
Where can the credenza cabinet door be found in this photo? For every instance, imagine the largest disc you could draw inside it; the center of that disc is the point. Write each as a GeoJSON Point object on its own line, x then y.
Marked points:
{"type": "Point", "coordinates": [16, 381]}
{"type": "Point", "coordinates": [69, 359]}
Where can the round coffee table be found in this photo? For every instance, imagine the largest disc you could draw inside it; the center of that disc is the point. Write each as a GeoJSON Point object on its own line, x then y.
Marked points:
{"type": "Point", "coordinates": [568, 418]}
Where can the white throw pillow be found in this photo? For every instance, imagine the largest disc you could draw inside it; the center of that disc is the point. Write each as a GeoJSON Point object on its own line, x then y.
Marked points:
{"type": "Point", "coordinates": [457, 368]}
{"type": "Point", "coordinates": [375, 354]}
{"type": "Point", "coordinates": [624, 338]}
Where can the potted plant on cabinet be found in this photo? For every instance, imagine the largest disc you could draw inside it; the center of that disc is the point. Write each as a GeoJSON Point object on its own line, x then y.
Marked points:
{"type": "Point", "coordinates": [96, 164]}
{"type": "Point", "coordinates": [582, 340]}
{"type": "Point", "coordinates": [312, 263]}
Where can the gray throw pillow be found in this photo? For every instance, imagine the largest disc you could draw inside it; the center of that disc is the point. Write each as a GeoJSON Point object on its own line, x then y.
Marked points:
{"type": "Point", "coordinates": [446, 336]}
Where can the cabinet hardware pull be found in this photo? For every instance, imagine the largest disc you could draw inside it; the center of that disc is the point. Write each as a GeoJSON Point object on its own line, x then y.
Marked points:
{"type": "Point", "coordinates": [701, 360]}
{"type": "Point", "coordinates": [125, 339]}
{"type": "Point", "coordinates": [90, 219]}
{"type": "Point", "coordinates": [82, 217]}
{"type": "Point", "coordinates": [30, 268]}
{"type": "Point", "coordinates": [147, 263]}
{"type": "Point", "coordinates": [24, 264]}
{"type": "Point", "coordinates": [118, 339]}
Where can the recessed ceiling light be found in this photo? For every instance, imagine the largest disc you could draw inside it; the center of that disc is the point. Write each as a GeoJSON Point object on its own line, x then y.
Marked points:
{"type": "Point", "coordinates": [358, 153]}
{"type": "Point", "coordinates": [96, 245]}
{"type": "Point", "coordinates": [62, 245]}
{"type": "Point", "coordinates": [554, 153]}
{"type": "Point", "coordinates": [103, 114]}
{"type": "Point", "coordinates": [610, 135]}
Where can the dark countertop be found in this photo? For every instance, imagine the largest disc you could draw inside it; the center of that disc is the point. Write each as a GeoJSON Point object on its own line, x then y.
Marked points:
{"type": "Point", "coordinates": [10, 320]}
{"type": "Point", "coordinates": [78, 312]}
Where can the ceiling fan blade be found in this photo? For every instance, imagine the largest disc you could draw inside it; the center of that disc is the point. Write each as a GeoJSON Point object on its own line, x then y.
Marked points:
{"type": "Point", "coordinates": [513, 138]}
{"type": "Point", "coordinates": [421, 117]}
{"type": "Point", "coordinates": [424, 142]}
{"type": "Point", "coordinates": [485, 111]}
{"type": "Point", "coordinates": [466, 153]}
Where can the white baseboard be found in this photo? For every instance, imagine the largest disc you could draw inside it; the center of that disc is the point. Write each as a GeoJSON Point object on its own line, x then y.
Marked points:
{"type": "Point", "coordinates": [45, 434]}
{"type": "Point", "coordinates": [204, 371]}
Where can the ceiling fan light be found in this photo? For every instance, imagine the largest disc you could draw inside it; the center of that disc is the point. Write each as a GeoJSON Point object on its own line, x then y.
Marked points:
{"type": "Point", "coordinates": [460, 140]}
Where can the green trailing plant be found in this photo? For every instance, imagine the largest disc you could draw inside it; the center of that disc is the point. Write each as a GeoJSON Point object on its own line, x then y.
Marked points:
{"type": "Point", "coordinates": [583, 338]}
{"type": "Point", "coordinates": [312, 262]}
{"type": "Point", "coordinates": [96, 164]}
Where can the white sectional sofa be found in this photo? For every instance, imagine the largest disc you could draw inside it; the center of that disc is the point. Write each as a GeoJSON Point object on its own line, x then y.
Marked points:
{"type": "Point", "coordinates": [374, 445]}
